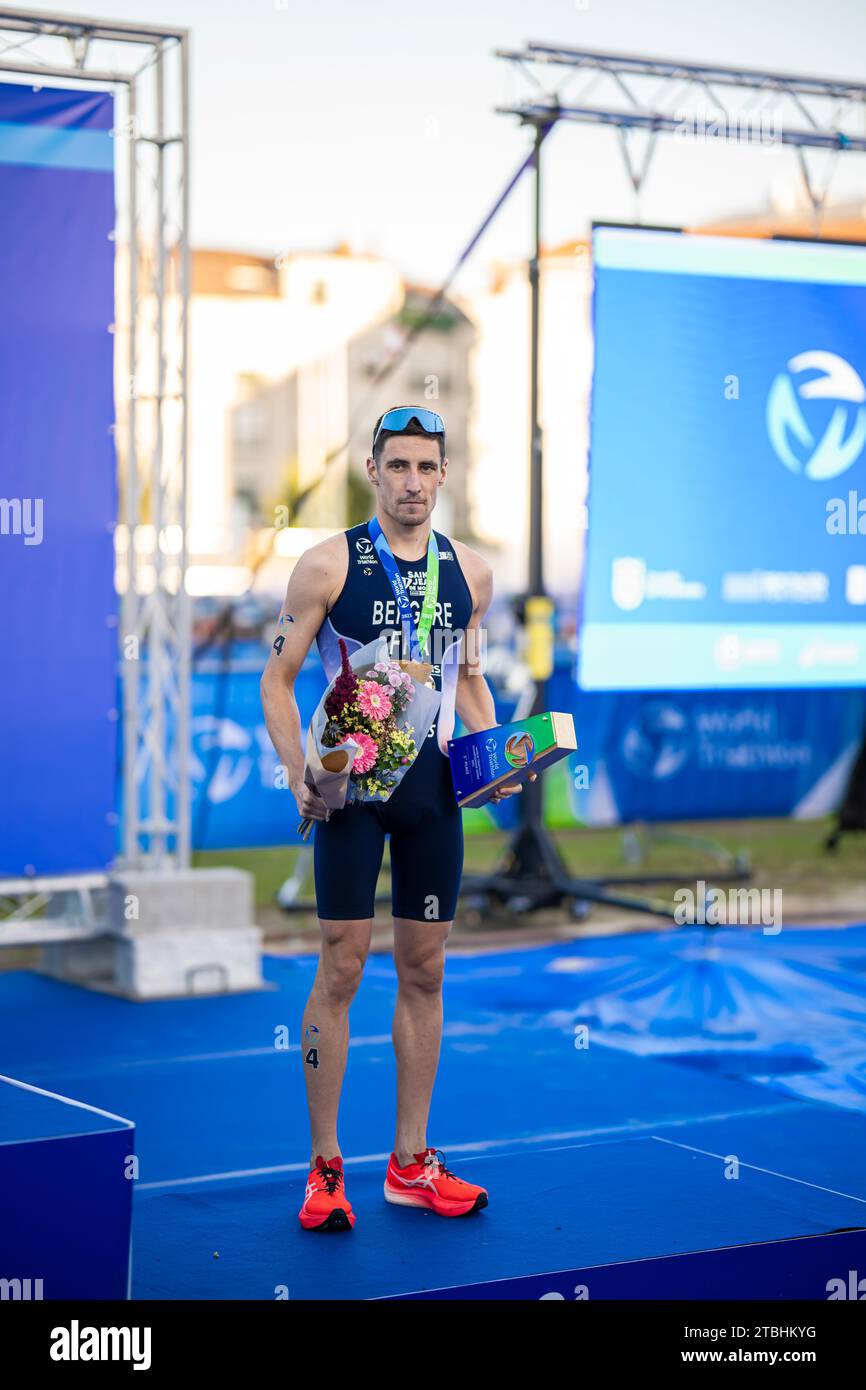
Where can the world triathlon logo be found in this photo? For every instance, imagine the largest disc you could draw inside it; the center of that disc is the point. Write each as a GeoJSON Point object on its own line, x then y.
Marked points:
{"type": "Point", "coordinates": [657, 742]}
{"type": "Point", "coordinates": [792, 421]}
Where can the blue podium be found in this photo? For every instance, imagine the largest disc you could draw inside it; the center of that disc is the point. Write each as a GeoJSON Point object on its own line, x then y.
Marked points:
{"type": "Point", "coordinates": [65, 1196]}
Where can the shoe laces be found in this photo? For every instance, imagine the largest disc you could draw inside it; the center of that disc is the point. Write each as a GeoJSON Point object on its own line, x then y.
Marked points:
{"type": "Point", "coordinates": [331, 1177]}
{"type": "Point", "coordinates": [432, 1159]}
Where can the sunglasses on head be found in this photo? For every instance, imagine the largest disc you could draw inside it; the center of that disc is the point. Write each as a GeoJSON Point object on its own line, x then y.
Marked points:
{"type": "Point", "coordinates": [398, 420]}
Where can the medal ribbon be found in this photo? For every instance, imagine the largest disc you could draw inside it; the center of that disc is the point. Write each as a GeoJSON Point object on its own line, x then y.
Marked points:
{"type": "Point", "coordinates": [417, 637]}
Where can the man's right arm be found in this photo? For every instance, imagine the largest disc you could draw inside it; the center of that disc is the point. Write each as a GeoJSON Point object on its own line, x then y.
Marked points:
{"type": "Point", "coordinates": [314, 579]}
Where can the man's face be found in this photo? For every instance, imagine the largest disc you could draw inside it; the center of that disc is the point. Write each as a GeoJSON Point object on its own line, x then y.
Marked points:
{"type": "Point", "coordinates": [408, 477]}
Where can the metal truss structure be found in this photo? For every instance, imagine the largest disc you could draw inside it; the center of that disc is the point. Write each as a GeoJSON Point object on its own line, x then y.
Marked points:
{"type": "Point", "coordinates": [147, 69]}
{"type": "Point", "coordinates": [826, 114]}
{"type": "Point", "coordinates": [659, 95]}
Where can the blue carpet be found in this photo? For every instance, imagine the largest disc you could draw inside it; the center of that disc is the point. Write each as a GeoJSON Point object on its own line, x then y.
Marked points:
{"type": "Point", "coordinates": [727, 1042]}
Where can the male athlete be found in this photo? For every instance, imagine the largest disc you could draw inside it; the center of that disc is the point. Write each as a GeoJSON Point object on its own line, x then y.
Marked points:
{"type": "Point", "coordinates": [349, 586]}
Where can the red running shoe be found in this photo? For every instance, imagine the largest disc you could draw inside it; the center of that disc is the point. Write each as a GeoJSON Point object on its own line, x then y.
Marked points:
{"type": "Point", "coordinates": [428, 1183]}
{"type": "Point", "coordinates": [326, 1207]}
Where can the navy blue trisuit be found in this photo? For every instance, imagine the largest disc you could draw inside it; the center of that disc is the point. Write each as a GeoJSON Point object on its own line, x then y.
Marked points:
{"type": "Point", "coordinates": [421, 816]}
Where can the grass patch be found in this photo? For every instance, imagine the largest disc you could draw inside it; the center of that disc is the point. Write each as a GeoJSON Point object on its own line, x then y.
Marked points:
{"type": "Point", "coordinates": [784, 854]}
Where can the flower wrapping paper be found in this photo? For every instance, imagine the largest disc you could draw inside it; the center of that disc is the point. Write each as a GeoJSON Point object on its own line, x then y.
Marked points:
{"type": "Point", "coordinates": [328, 769]}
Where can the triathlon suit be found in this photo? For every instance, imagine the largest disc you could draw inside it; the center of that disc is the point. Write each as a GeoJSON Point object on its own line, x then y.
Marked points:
{"type": "Point", "coordinates": [421, 815]}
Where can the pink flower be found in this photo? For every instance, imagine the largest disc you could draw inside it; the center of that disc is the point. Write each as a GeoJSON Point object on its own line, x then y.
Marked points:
{"type": "Point", "coordinates": [368, 752]}
{"type": "Point", "coordinates": [373, 700]}
{"type": "Point", "coordinates": [395, 678]}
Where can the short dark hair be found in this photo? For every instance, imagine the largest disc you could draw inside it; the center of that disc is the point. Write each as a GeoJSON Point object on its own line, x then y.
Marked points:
{"type": "Point", "coordinates": [413, 427]}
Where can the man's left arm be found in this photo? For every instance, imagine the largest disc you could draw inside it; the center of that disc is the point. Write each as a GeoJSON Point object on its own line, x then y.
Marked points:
{"type": "Point", "coordinates": [474, 700]}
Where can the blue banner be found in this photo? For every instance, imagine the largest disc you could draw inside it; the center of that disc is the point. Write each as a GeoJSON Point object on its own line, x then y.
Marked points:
{"type": "Point", "coordinates": [727, 479]}
{"type": "Point", "coordinates": [58, 496]}
{"type": "Point", "coordinates": [711, 755]}
{"type": "Point", "coordinates": [640, 756]}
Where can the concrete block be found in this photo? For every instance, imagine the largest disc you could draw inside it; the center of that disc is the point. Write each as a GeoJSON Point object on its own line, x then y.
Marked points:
{"type": "Point", "coordinates": [141, 902]}
{"type": "Point", "coordinates": [169, 934]}
{"type": "Point", "coordinates": [196, 960]}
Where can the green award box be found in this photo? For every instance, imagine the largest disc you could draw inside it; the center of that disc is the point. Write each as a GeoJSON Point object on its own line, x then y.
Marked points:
{"type": "Point", "coordinates": [483, 761]}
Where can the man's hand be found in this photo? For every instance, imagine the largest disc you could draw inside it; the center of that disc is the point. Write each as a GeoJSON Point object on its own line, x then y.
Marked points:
{"type": "Point", "coordinates": [509, 788]}
{"type": "Point", "coordinates": [310, 804]}
{"type": "Point", "coordinates": [315, 577]}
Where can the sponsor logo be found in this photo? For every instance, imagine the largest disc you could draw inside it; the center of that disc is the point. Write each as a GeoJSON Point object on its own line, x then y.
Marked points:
{"type": "Point", "coordinates": [657, 742]}
{"type": "Point", "coordinates": [662, 738]}
{"type": "Point", "coordinates": [492, 750]}
{"type": "Point", "coordinates": [855, 584]}
{"type": "Point", "coordinates": [793, 421]}
{"type": "Point", "coordinates": [628, 582]}
{"type": "Point", "coordinates": [632, 583]}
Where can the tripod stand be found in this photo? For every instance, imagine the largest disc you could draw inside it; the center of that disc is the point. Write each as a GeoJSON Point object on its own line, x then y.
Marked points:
{"type": "Point", "coordinates": [533, 874]}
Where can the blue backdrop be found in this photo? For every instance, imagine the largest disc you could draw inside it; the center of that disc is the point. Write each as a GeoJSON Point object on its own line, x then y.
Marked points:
{"type": "Point", "coordinates": [641, 756]}
{"type": "Point", "coordinates": [58, 500]}
{"type": "Point", "coordinates": [727, 482]}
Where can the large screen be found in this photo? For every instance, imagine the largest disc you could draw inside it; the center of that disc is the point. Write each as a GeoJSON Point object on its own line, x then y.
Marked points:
{"type": "Point", "coordinates": [726, 544]}
{"type": "Point", "coordinates": [58, 482]}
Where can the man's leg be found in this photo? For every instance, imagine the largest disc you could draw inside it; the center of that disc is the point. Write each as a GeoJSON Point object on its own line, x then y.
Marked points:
{"type": "Point", "coordinates": [325, 1028]}
{"type": "Point", "coordinates": [426, 863]}
{"type": "Point", "coordinates": [347, 855]}
{"type": "Point", "coordinates": [419, 955]}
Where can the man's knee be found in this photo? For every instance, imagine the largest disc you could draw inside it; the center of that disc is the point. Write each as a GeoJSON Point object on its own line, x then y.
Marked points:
{"type": "Point", "coordinates": [341, 965]}
{"type": "Point", "coordinates": [422, 967]}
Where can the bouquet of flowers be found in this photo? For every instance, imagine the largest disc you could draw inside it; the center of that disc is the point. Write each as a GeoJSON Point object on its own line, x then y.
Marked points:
{"type": "Point", "coordinates": [361, 743]}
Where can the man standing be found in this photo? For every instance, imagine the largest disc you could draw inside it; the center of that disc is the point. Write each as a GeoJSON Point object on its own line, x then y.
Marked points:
{"type": "Point", "coordinates": [350, 586]}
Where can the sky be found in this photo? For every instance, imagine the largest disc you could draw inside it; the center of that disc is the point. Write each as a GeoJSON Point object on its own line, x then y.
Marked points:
{"type": "Point", "coordinates": [374, 121]}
